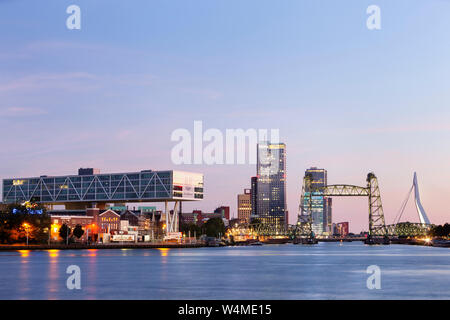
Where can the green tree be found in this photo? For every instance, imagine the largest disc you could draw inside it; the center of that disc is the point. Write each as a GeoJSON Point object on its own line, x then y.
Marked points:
{"type": "Point", "coordinates": [12, 221]}
{"type": "Point", "coordinates": [190, 227]}
{"type": "Point", "coordinates": [64, 232]}
{"type": "Point", "coordinates": [213, 227]}
{"type": "Point", "coordinates": [78, 231]}
{"type": "Point", "coordinates": [440, 231]}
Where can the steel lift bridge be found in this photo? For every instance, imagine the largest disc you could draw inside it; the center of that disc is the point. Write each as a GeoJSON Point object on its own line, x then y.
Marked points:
{"type": "Point", "coordinates": [303, 228]}
{"type": "Point", "coordinates": [377, 225]}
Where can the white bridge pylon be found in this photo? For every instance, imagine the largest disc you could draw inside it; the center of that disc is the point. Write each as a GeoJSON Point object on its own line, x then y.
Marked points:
{"type": "Point", "coordinates": [420, 210]}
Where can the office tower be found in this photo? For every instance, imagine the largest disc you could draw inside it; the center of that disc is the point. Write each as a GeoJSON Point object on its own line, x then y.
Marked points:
{"type": "Point", "coordinates": [321, 207]}
{"type": "Point", "coordinates": [244, 206]}
{"type": "Point", "coordinates": [254, 196]}
{"type": "Point", "coordinates": [271, 183]}
{"type": "Point", "coordinates": [327, 223]}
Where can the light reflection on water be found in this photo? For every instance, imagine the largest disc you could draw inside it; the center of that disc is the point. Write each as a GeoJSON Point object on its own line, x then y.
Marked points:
{"type": "Point", "coordinates": [324, 271]}
{"type": "Point", "coordinates": [91, 290]}
{"type": "Point", "coordinates": [24, 270]}
{"type": "Point", "coordinates": [52, 274]}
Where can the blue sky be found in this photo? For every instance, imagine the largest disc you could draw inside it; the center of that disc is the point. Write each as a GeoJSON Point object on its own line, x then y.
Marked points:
{"type": "Point", "coordinates": [345, 98]}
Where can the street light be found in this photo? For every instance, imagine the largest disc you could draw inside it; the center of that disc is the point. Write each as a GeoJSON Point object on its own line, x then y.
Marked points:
{"type": "Point", "coordinates": [26, 225]}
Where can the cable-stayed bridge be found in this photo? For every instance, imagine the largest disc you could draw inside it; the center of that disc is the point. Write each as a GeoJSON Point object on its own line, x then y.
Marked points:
{"type": "Point", "coordinates": [411, 228]}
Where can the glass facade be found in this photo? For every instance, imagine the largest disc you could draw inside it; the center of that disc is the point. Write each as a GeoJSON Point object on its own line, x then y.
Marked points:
{"type": "Point", "coordinates": [320, 205]}
{"type": "Point", "coordinates": [271, 183]}
{"type": "Point", "coordinates": [254, 197]}
{"type": "Point", "coordinates": [144, 186]}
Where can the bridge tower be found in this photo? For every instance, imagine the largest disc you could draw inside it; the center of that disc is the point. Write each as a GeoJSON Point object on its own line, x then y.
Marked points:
{"type": "Point", "coordinates": [423, 218]}
{"type": "Point", "coordinates": [377, 224]}
{"type": "Point", "coordinates": [305, 209]}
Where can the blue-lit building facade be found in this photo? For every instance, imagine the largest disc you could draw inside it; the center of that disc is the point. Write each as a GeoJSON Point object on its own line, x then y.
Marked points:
{"type": "Point", "coordinates": [91, 188]}
{"type": "Point", "coordinates": [321, 206]}
{"type": "Point", "coordinates": [254, 197]}
{"type": "Point", "coordinates": [271, 183]}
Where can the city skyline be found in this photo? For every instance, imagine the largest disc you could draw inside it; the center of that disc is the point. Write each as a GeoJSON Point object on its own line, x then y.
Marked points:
{"type": "Point", "coordinates": [109, 95]}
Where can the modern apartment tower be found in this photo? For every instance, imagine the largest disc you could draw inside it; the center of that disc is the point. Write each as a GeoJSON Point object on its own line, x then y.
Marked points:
{"type": "Point", "coordinates": [271, 183]}
{"type": "Point", "coordinates": [321, 207]}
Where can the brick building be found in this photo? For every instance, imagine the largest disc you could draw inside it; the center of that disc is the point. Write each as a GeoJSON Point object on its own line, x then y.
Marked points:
{"type": "Point", "coordinates": [244, 206]}
{"type": "Point", "coordinates": [86, 222]}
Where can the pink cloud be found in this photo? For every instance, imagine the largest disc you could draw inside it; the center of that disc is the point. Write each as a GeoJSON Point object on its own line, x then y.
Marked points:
{"type": "Point", "coordinates": [70, 80]}
{"type": "Point", "coordinates": [21, 112]}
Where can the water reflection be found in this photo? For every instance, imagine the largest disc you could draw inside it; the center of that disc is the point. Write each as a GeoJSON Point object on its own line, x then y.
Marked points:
{"type": "Point", "coordinates": [163, 251]}
{"type": "Point", "coordinates": [52, 275]}
{"type": "Point", "coordinates": [92, 252]}
{"type": "Point", "coordinates": [91, 275]}
{"type": "Point", "coordinates": [24, 254]}
{"type": "Point", "coordinates": [125, 251]}
{"type": "Point", "coordinates": [53, 253]}
{"type": "Point", "coordinates": [23, 283]}
{"type": "Point", "coordinates": [327, 270]}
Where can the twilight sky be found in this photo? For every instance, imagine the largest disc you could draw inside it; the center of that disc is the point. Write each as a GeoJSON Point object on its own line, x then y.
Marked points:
{"type": "Point", "coordinates": [345, 98]}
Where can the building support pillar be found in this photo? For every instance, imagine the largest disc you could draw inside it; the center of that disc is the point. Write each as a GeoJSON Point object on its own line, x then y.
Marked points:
{"type": "Point", "coordinates": [172, 220]}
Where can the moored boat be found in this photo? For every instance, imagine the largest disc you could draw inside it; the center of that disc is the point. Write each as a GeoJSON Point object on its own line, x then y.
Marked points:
{"type": "Point", "coordinates": [372, 241]}
{"type": "Point", "coordinates": [276, 240]}
{"type": "Point", "coordinates": [440, 243]}
{"type": "Point", "coordinates": [305, 241]}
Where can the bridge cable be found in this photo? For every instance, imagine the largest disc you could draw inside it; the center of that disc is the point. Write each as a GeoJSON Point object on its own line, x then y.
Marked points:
{"type": "Point", "coordinates": [403, 206]}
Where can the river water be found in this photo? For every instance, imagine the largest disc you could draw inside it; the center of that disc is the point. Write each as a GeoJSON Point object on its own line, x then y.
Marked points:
{"type": "Point", "coordinates": [323, 271]}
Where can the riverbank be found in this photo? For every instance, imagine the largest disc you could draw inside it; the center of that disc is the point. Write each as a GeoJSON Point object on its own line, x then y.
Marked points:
{"type": "Point", "coordinates": [154, 245]}
{"type": "Point", "coordinates": [80, 246]}
{"type": "Point", "coordinates": [423, 242]}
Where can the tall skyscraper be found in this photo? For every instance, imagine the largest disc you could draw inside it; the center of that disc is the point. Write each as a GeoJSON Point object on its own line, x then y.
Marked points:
{"type": "Point", "coordinates": [271, 183]}
{"type": "Point", "coordinates": [327, 222]}
{"type": "Point", "coordinates": [254, 196]}
{"type": "Point", "coordinates": [320, 206]}
{"type": "Point", "coordinates": [244, 206]}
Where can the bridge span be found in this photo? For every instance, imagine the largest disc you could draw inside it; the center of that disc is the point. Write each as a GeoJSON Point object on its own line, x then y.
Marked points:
{"type": "Point", "coordinates": [377, 225]}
